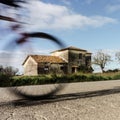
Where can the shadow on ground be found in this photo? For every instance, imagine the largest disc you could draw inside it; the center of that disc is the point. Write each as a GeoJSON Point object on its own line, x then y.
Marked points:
{"type": "Point", "coordinates": [62, 97]}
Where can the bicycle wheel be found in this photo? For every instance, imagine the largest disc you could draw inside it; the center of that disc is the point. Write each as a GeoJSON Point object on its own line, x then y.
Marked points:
{"type": "Point", "coordinates": [35, 92]}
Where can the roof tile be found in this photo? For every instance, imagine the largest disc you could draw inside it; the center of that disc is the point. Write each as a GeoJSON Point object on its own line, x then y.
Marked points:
{"type": "Point", "coordinates": [50, 59]}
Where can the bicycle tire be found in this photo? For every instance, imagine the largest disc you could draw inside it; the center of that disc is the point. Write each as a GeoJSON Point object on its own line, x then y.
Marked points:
{"type": "Point", "coordinates": [56, 86]}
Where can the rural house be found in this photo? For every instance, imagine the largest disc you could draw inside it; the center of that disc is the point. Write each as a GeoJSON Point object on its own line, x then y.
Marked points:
{"type": "Point", "coordinates": [67, 60]}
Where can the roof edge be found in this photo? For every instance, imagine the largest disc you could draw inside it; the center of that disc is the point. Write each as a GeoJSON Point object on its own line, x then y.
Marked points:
{"type": "Point", "coordinates": [70, 48]}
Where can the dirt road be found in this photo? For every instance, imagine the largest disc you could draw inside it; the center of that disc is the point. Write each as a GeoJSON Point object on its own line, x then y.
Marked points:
{"type": "Point", "coordinates": [78, 101]}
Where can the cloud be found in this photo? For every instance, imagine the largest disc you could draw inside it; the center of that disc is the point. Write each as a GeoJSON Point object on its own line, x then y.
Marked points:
{"type": "Point", "coordinates": [111, 52]}
{"type": "Point", "coordinates": [8, 57]}
{"type": "Point", "coordinates": [16, 59]}
{"type": "Point", "coordinates": [66, 2]}
{"type": "Point", "coordinates": [51, 16]}
{"type": "Point", "coordinates": [113, 8]}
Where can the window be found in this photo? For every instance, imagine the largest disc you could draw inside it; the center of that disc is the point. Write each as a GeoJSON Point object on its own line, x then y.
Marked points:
{"type": "Point", "coordinates": [88, 60]}
{"type": "Point", "coordinates": [46, 68]}
{"type": "Point", "coordinates": [80, 55]}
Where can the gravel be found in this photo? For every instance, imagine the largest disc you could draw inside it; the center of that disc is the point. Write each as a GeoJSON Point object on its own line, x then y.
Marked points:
{"type": "Point", "coordinates": [78, 101]}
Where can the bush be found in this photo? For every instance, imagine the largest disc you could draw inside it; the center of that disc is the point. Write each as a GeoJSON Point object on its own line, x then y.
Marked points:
{"type": "Point", "coordinates": [116, 77]}
{"type": "Point", "coordinates": [96, 78]}
{"type": "Point", "coordinates": [29, 80]}
{"type": "Point", "coordinates": [114, 70]}
{"type": "Point", "coordinates": [78, 78]}
{"type": "Point", "coordinates": [4, 80]}
{"type": "Point", "coordinates": [84, 69]}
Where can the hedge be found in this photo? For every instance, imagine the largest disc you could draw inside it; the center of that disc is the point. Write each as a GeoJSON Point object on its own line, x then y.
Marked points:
{"type": "Point", "coordinates": [51, 79]}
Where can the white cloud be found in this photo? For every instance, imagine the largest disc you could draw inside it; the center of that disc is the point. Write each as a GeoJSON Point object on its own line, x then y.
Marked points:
{"type": "Point", "coordinates": [67, 2]}
{"type": "Point", "coordinates": [111, 52]}
{"type": "Point", "coordinates": [8, 57]}
{"type": "Point", "coordinates": [52, 16]}
{"type": "Point", "coordinates": [113, 8]}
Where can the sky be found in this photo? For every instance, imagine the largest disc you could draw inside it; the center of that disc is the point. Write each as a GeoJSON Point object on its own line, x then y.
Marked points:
{"type": "Point", "coordinates": [86, 24]}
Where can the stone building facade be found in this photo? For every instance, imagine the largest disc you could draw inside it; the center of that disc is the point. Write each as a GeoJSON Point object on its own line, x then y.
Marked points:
{"type": "Point", "coordinates": [74, 57]}
{"type": "Point", "coordinates": [67, 60]}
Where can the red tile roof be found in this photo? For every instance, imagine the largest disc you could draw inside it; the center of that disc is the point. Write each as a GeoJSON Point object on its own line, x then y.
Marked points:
{"type": "Point", "coordinates": [49, 59]}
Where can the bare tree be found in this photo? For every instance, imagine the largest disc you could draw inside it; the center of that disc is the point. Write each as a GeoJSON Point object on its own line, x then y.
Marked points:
{"type": "Point", "coordinates": [101, 59]}
{"type": "Point", "coordinates": [8, 70]}
{"type": "Point", "coordinates": [117, 56]}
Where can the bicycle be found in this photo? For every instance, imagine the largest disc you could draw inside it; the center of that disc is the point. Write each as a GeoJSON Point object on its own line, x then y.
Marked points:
{"type": "Point", "coordinates": [23, 91]}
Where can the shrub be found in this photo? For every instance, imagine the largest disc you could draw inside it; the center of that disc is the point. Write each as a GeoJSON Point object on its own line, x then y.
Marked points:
{"type": "Point", "coordinates": [4, 80]}
{"type": "Point", "coordinates": [114, 70]}
{"type": "Point", "coordinates": [116, 77]}
{"type": "Point", "coordinates": [78, 78]}
{"type": "Point", "coordinates": [85, 69]}
{"type": "Point", "coordinates": [96, 78]}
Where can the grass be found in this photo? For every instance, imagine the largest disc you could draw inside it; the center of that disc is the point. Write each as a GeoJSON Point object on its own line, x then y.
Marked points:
{"type": "Point", "coordinates": [50, 79]}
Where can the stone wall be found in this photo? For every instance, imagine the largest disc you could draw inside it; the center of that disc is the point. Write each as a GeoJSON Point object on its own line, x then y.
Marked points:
{"type": "Point", "coordinates": [30, 67]}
